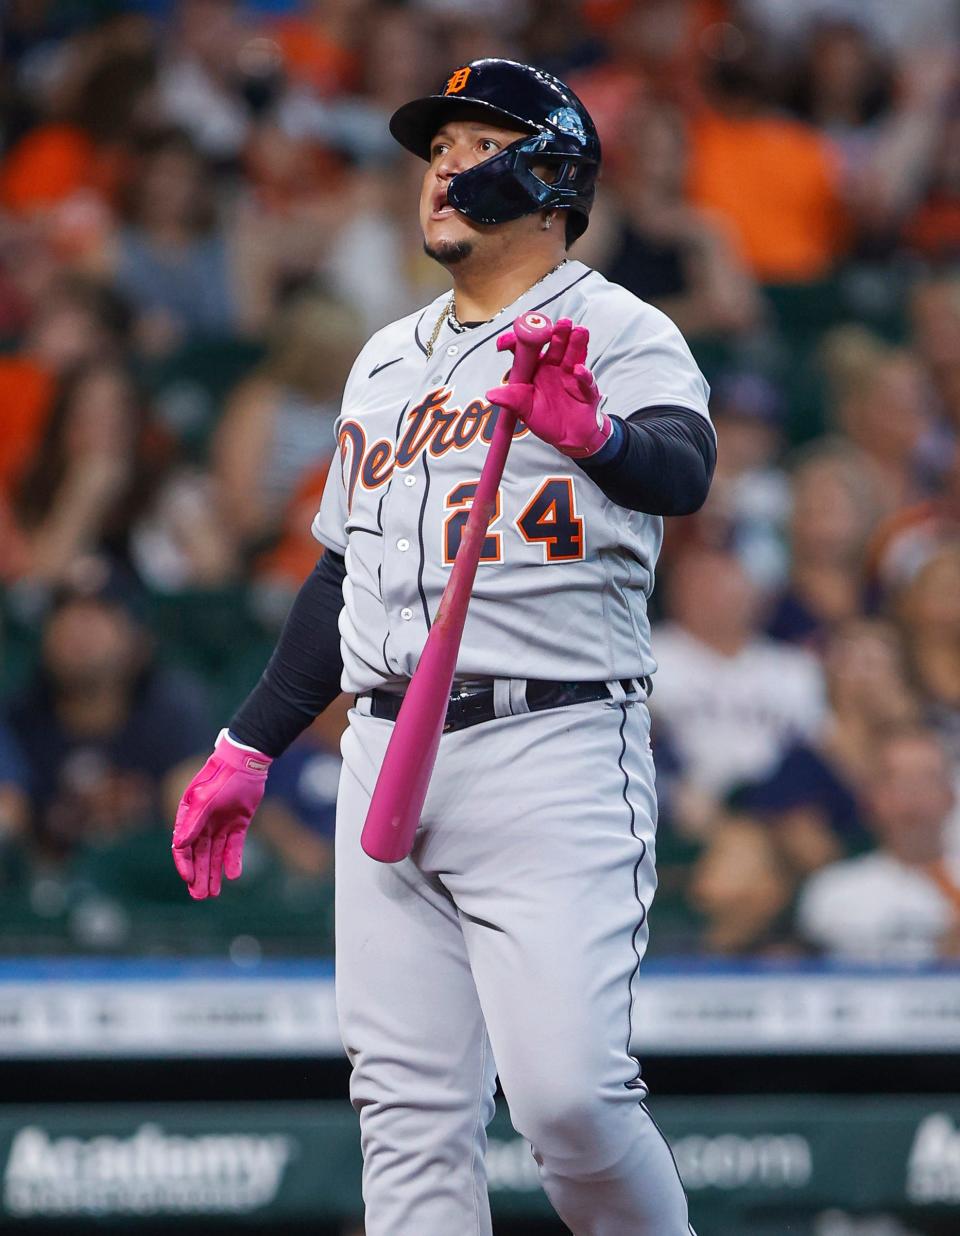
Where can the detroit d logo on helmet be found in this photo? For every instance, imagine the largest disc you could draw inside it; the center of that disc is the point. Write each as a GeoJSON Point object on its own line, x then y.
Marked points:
{"type": "Point", "coordinates": [457, 81]}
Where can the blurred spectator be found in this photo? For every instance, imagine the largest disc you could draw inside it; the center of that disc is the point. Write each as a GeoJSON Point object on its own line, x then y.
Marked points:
{"type": "Point", "coordinates": [280, 571]}
{"type": "Point", "coordinates": [320, 44]}
{"type": "Point", "coordinates": [182, 542]}
{"type": "Point", "coordinates": [102, 480]}
{"type": "Point", "coordinates": [652, 49]}
{"type": "Point", "coordinates": [199, 76]}
{"type": "Point", "coordinates": [77, 320]}
{"type": "Point", "coordinates": [902, 901]}
{"type": "Point", "coordinates": [886, 131]}
{"type": "Point", "coordinates": [378, 264]}
{"type": "Point", "coordinates": [332, 133]}
{"type": "Point", "coordinates": [172, 262]}
{"type": "Point", "coordinates": [749, 501]}
{"type": "Point", "coordinates": [835, 504]}
{"type": "Point", "coordinates": [927, 606]}
{"type": "Point", "coordinates": [908, 160]}
{"type": "Point", "coordinates": [775, 180]}
{"type": "Point", "coordinates": [843, 83]}
{"type": "Point", "coordinates": [402, 46]}
{"type": "Point", "coordinates": [299, 810]}
{"type": "Point", "coordinates": [729, 701]}
{"type": "Point", "coordinates": [935, 317]}
{"type": "Point", "coordinates": [297, 202]}
{"type": "Point", "coordinates": [91, 98]}
{"type": "Point", "coordinates": [742, 886]}
{"type": "Point", "coordinates": [14, 803]}
{"type": "Point", "coordinates": [92, 474]}
{"type": "Point", "coordinates": [932, 230]}
{"type": "Point", "coordinates": [883, 404]}
{"type": "Point", "coordinates": [663, 249]}
{"type": "Point", "coordinates": [109, 738]}
{"type": "Point", "coordinates": [278, 424]}
{"type": "Point", "coordinates": [814, 799]}
{"type": "Point", "coordinates": [811, 811]}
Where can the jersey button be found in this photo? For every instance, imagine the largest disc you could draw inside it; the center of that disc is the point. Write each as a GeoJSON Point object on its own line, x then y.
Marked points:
{"type": "Point", "coordinates": [452, 350]}
{"type": "Point", "coordinates": [406, 614]}
{"type": "Point", "coordinates": [403, 544]}
{"type": "Point", "coordinates": [409, 481]}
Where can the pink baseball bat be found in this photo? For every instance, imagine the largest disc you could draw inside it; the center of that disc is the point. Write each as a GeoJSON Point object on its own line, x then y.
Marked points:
{"type": "Point", "coordinates": [398, 796]}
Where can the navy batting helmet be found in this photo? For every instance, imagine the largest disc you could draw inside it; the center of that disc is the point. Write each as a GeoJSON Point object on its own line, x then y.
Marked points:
{"type": "Point", "coordinates": [561, 135]}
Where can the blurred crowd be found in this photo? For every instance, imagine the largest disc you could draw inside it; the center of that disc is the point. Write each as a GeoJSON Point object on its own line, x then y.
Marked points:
{"type": "Point", "coordinates": [203, 216]}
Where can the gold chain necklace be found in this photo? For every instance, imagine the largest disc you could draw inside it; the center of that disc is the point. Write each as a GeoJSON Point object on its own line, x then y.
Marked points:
{"type": "Point", "coordinates": [447, 310]}
{"type": "Point", "coordinates": [445, 313]}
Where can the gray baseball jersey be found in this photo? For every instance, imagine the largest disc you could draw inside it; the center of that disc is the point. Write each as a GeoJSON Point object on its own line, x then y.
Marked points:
{"type": "Point", "coordinates": [413, 431]}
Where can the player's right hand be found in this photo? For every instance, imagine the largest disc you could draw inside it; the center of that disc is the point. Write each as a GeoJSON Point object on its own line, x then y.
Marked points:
{"type": "Point", "coordinates": [214, 814]}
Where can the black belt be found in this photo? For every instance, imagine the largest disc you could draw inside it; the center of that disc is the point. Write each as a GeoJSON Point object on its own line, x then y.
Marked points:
{"type": "Point", "coordinates": [471, 703]}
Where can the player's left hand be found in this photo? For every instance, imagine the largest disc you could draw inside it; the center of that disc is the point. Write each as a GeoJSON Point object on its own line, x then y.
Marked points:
{"type": "Point", "coordinates": [562, 403]}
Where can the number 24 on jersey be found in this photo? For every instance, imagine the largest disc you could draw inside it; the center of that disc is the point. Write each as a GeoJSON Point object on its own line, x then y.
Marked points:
{"type": "Point", "coordinates": [548, 519]}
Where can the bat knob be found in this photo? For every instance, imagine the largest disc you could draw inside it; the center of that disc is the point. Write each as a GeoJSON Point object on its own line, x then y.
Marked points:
{"type": "Point", "coordinates": [533, 329]}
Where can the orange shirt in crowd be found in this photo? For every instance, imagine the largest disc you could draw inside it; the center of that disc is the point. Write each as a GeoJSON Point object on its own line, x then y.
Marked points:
{"type": "Point", "coordinates": [311, 56]}
{"type": "Point", "coordinates": [292, 559]}
{"type": "Point", "coordinates": [45, 167]}
{"type": "Point", "coordinates": [26, 392]}
{"type": "Point", "coordinates": [777, 183]}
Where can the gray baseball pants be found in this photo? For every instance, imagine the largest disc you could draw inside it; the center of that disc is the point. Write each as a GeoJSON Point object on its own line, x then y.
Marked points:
{"type": "Point", "coordinates": [508, 942]}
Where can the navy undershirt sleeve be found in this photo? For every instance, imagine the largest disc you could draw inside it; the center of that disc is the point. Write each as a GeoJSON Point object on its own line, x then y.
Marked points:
{"type": "Point", "coordinates": [662, 465]}
{"type": "Point", "coordinates": [303, 674]}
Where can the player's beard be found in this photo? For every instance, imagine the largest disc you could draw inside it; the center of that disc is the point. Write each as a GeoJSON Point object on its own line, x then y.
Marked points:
{"type": "Point", "coordinates": [449, 252]}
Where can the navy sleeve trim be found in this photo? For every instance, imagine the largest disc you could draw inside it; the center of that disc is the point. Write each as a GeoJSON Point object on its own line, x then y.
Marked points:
{"type": "Point", "coordinates": [614, 445]}
{"type": "Point", "coordinates": [303, 674]}
{"type": "Point", "coordinates": [664, 464]}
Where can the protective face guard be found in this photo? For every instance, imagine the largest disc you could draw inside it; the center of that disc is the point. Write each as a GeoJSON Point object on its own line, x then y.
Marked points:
{"type": "Point", "coordinates": [506, 186]}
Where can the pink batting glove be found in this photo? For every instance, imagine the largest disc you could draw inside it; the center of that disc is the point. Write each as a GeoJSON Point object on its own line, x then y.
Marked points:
{"type": "Point", "coordinates": [562, 404]}
{"type": "Point", "coordinates": [214, 815]}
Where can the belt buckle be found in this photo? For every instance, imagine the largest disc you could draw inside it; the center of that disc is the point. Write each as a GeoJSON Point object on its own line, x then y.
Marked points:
{"type": "Point", "coordinates": [464, 705]}
{"type": "Point", "coordinates": [457, 696]}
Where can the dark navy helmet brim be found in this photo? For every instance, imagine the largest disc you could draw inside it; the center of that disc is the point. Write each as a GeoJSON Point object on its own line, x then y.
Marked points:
{"type": "Point", "coordinates": [416, 124]}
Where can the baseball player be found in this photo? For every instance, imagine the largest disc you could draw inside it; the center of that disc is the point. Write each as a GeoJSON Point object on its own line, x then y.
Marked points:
{"type": "Point", "coordinates": [509, 941]}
